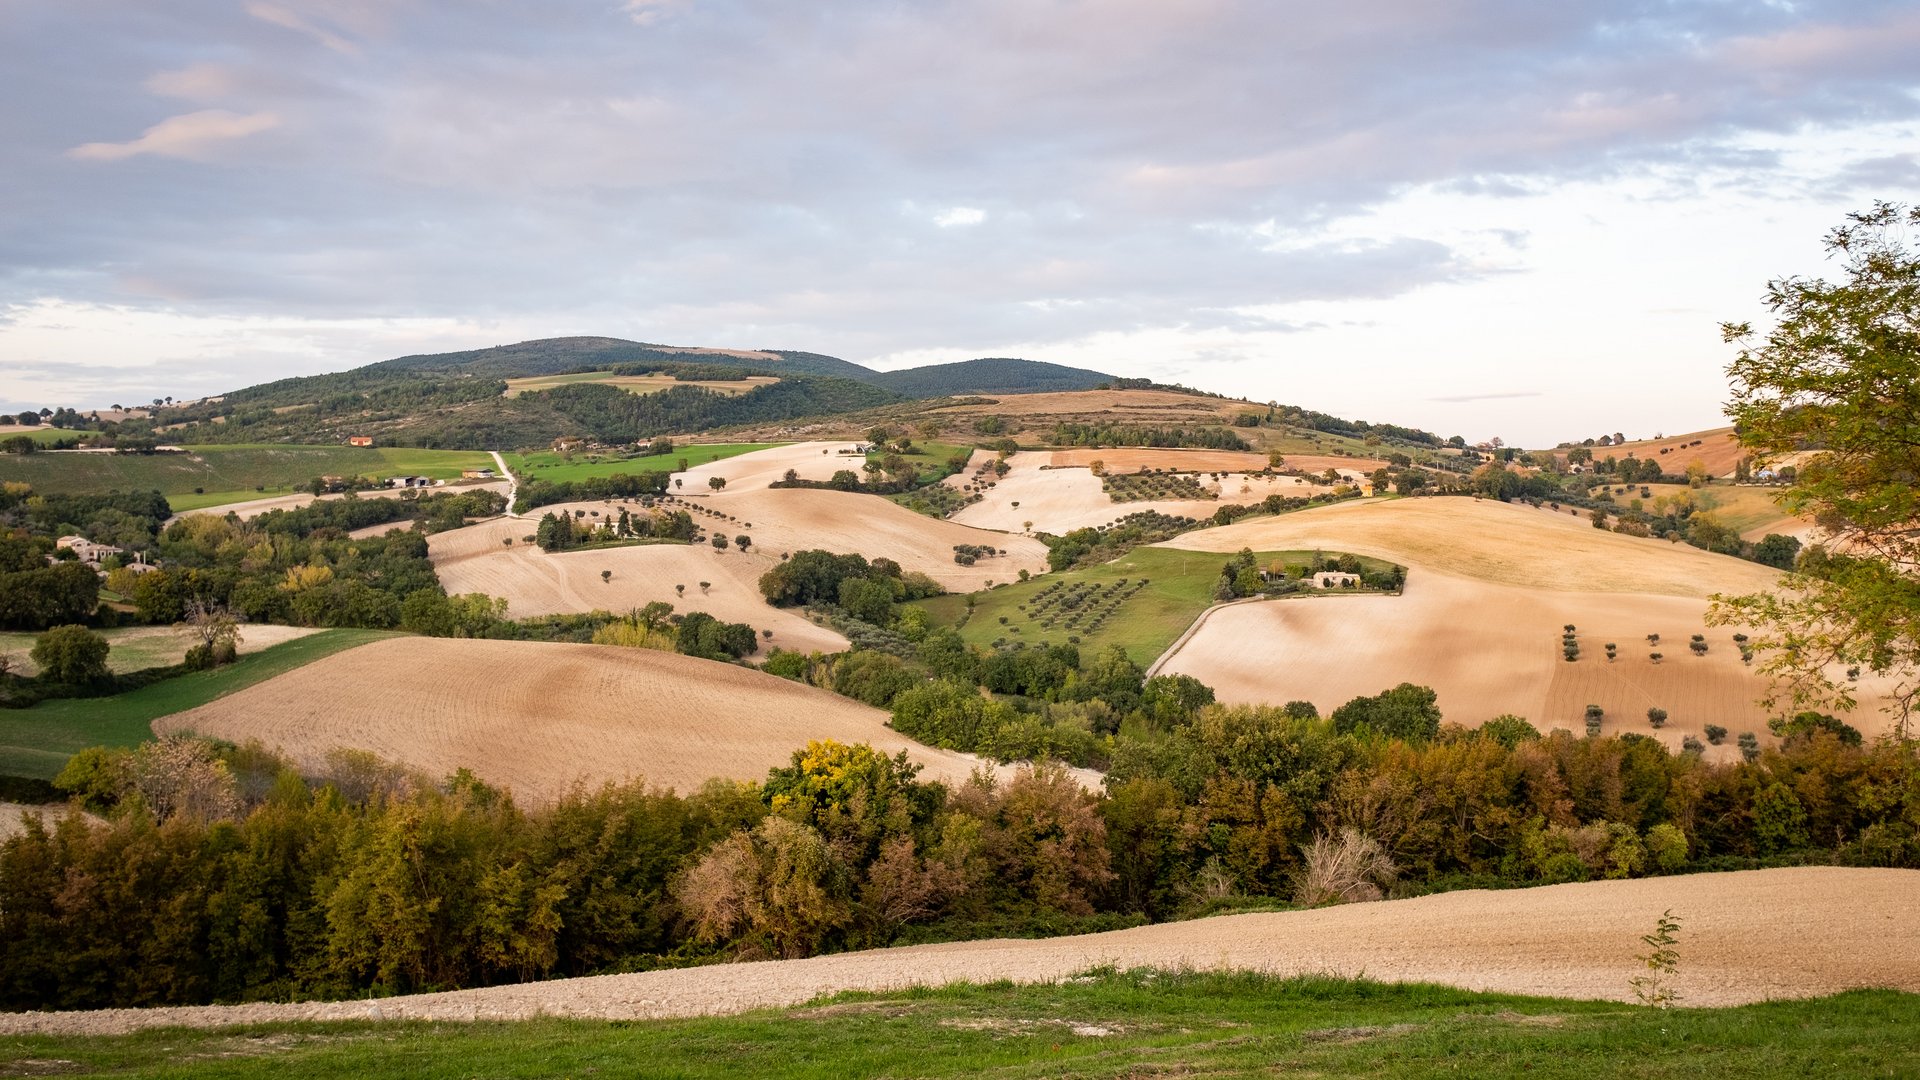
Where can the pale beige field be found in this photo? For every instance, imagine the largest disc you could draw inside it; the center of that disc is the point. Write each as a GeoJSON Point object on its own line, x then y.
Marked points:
{"type": "Point", "coordinates": [1491, 649]}
{"type": "Point", "coordinates": [1061, 496]}
{"type": "Point", "coordinates": [537, 717]}
{"type": "Point", "coordinates": [1845, 928]}
{"type": "Point", "coordinates": [1490, 587]}
{"type": "Point", "coordinates": [1493, 541]}
{"type": "Point", "coordinates": [786, 520]}
{"type": "Point", "coordinates": [533, 582]}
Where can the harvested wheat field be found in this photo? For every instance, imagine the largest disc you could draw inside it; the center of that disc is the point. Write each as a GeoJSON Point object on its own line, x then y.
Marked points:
{"type": "Point", "coordinates": [1058, 496]}
{"type": "Point", "coordinates": [532, 582]}
{"type": "Point", "coordinates": [754, 471]}
{"type": "Point", "coordinates": [1490, 590]}
{"type": "Point", "coordinates": [1718, 451]}
{"type": "Point", "coordinates": [1845, 928]}
{"type": "Point", "coordinates": [1487, 650]}
{"type": "Point", "coordinates": [1493, 541]}
{"type": "Point", "coordinates": [536, 717]}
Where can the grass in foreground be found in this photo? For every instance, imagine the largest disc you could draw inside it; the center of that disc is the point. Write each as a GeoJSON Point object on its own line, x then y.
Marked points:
{"type": "Point", "coordinates": [1105, 1025]}
{"type": "Point", "coordinates": [37, 742]}
{"type": "Point", "coordinates": [547, 465]}
{"type": "Point", "coordinates": [216, 475]}
{"type": "Point", "coordinates": [1180, 586]}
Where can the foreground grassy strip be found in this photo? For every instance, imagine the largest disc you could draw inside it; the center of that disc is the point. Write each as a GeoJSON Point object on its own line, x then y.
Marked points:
{"type": "Point", "coordinates": [547, 465]}
{"type": "Point", "coordinates": [1109, 1025]}
{"type": "Point", "coordinates": [37, 742]}
{"type": "Point", "coordinates": [1180, 586]}
{"type": "Point", "coordinates": [231, 473]}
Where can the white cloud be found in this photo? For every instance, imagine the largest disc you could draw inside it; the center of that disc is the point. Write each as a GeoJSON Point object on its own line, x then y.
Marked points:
{"type": "Point", "coordinates": [292, 20]}
{"type": "Point", "coordinates": [189, 135]}
{"type": "Point", "coordinates": [959, 216]}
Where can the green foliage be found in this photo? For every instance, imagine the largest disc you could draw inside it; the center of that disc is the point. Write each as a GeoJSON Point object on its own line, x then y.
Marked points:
{"type": "Point", "coordinates": [42, 596]}
{"type": "Point", "coordinates": [1406, 712]}
{"type": "Point", "coordinates": [1832, 380]}
{"type": "Point", "coordinates": [988, 376]}
{"type": "Point", "coordinates": [71, 654]}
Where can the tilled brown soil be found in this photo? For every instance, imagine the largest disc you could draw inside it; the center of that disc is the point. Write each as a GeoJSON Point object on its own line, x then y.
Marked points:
{"type": "Point", "coordinates": [1746, 937]}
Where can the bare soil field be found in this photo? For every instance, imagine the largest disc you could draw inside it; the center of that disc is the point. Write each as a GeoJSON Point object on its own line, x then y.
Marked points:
{"type": "Point", "coordinates": [1058, 497]}
{"type": "Point", "coordinates": [1493, 541]}
{"type": "Point", "coordinates": [1490, 587]}
{"type": "Point", "coordinates": [754, 471]}
{"type": "Point", "coordinates": [1851, 928]}
{"type": "Point", "coordinates": [538, 717]}
{"type": "Point", "coordinates": [476, 559]}
{"type": "Point", "coordinates": [1491, 649]}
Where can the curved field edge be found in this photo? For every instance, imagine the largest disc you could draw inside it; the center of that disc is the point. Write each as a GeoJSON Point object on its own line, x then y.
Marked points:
{"type": "Point", "coordinates": [1103, 1023]}
{"type": "Point", "coordinates": [1571, 941]}
{"type": "Point", "coordinates": [36, 742]}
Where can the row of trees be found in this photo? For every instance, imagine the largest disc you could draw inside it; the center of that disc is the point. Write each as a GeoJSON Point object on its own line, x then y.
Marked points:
{"type": "Point", "coordinates": [220, 874]}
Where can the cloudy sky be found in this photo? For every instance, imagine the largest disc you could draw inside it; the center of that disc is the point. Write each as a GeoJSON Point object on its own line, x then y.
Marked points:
{"type": "Point", "coordinates": [1506, 217]}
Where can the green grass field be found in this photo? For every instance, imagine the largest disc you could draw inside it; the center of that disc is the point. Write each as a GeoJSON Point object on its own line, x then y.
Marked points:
{"type": "Point", "coordinates": [134, 647]}
{"type": "Point", "coordinates": [1179, 587]}
{"type": "Point", "coordinates": [1738, 508]}
{"type": "Point", "coordinates": [930, 459]}
{"type": "Point", "coordinates": [44, 434]}
{"type": "Point", "coordinates": [547, 465]}
{"type": "Point", "coordinates": [1133, 1024]}
{"type": "Point", "coordinates": [37, 742]}
{"type": "Point", "coordinates": [229, 474]}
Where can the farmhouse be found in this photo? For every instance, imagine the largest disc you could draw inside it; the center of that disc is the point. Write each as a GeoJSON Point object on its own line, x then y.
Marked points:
{"type": "Point", "coordinates": [87, 551]}
{"type": "Point", "coordinates": [359, 440]}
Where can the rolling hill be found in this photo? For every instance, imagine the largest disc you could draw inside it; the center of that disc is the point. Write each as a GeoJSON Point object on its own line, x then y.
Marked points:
{"type": "Point", "coordinates": [994, 375]}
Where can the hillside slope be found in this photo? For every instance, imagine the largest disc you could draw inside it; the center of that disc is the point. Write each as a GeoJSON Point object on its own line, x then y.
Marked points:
{"type": "Point", "coordinates": [1850, 928]}
{"type": "Point", "coordinates": [994, 375]}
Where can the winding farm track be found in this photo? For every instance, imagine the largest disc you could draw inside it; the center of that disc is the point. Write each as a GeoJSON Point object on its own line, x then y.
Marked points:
{"type": "Point", "coordinates": [1749, 936]}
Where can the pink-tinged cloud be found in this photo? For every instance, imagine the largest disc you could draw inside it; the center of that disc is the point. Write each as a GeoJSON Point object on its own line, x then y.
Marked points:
{"type": "Point", "coordinates": [292, 20]}
{"type": "Point", "coordinates": [199, 82]}
{"type": "Point", "coordinates": [187, 136]}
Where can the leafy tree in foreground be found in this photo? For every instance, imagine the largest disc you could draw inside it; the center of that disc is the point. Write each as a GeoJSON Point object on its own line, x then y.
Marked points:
{"type": "Point", "coordinates": [71, 654]}
{"type": "Point", "coordinates": [1838, 379]}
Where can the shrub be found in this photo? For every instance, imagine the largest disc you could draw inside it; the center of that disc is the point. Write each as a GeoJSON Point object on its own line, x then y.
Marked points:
{"type": "Point", "coordinates": [1349, 869]}
{"type": "Point", "coordinates": [1657, 717]}
{"type": "Point", "coordinates": [71, 654]}
{"type": "Point", "coordinates": [1691, 745]}
{"type": "Point", "coordinates": [1749, 745]}
{"type": "Point", "coordinates": [1716, 734]}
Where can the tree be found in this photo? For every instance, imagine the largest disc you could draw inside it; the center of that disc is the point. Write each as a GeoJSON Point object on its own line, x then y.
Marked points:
{"type": "Point", "coordinates": [716, 482]}
{"type": "Point", "coordinates": [743, 541]}
{"type": "Point", "coordinates": [1406, 712]}
{"type": "Point", "coordinates": [214, 632]}
{"type": "Point", "coordinates": [71, 654]}
{"type": "Point", "coordinates": [1837, 379]}
{"type": "Point", "coordinates": [606, 575]}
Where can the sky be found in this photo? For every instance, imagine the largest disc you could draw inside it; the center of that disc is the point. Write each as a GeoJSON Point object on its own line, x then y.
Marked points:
{"type": "Point", "coordinates": [1505, 218]}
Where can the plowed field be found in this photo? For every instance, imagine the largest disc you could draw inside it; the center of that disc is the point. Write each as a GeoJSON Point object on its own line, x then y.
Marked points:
{"type": "Point", "coordinates": [537, 717]}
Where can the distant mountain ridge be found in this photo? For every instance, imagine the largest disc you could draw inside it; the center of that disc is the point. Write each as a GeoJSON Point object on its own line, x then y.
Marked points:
{"type": "Point", "coordinates": [553, 356]}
